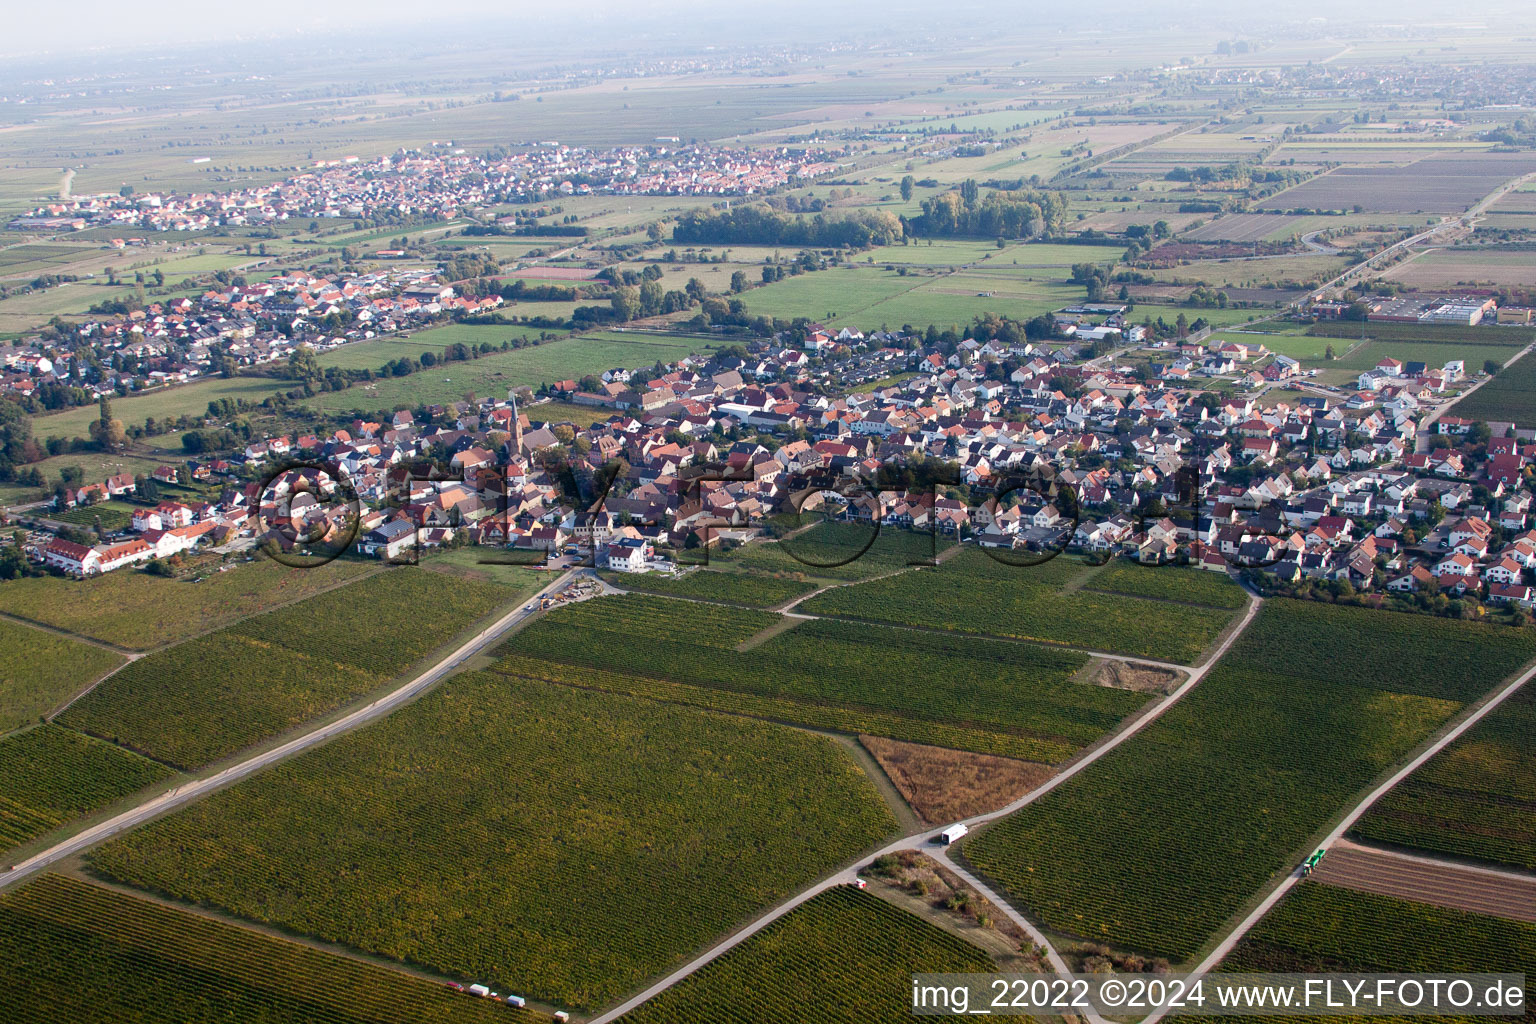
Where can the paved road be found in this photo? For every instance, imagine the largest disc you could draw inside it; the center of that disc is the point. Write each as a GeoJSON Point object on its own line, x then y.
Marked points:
{"type": "Point", "coordinates": [1310, 241]}
{"type": "Point", "coordinates": [189, 791]}
{"type": "Point", "coordinates": [922, 841]}
{"type": "Point", "coordinates": [1227, 944]}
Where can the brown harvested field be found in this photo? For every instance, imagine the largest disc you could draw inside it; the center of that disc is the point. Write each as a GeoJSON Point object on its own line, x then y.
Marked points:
{"type": "Point", "coordinates": [1441, 883]}
{"type": "Point", "coordinates": [1129, 675]}
{"type": "Point", "coordinates": [943, 785]}
{"type": "Point", "coordinates": [1444, 268]}
{"type": "Point", "coordinates": [1434, 185]}
{"type": "Point", "coordinates": [1518, 201]}
{"type": "Point", "coordinates": [1246, 227]}
{"type": "Point", "coordinates": [1119, 220]}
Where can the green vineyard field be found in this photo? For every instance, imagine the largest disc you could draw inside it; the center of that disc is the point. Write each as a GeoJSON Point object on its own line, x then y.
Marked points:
{"type": "Point", "coordinates": [843, 956]}
{"type": "Point", "coordinates": [1013, 699]}
{"type": "Point", "coordinates": [1476, 798]}
{"type": "Point", "coordinates": [40, 670]}
{"type": "Point", "coordinates": [49, 775]}
{"type": "Point", "coordinates": [1319, 927]}
{"type": "Point", "coordinates": [566, 843]}
{"type": "Point", "coordinates": [199, 701]}
{"type": "Point", "coordinates": [973, 593]}
{"type": "Point", "coordinates": [1176, 828]}
{"type": "Point", "coordinates": [754, 590]}
{"type": "Point", "coordinates": [78, 952]}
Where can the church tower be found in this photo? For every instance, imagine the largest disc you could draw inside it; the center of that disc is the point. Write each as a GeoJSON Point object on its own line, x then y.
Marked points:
{"type": "Point", "coordinates": [517, 423]}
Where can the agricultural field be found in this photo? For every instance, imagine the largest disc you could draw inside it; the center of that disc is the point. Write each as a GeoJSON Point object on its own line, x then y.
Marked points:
{"type": "Point", "coordinates": [49, 775]}
{"type": "Point", "coordinates": [172, 402]}
{"type": "Point", "coordinates": [1248, 227]}
{"type": "Point", "coordinates": [141, 612]}
{"type": "Point", "coordinates": [73, 950]}
{"type": "Point", "coordinates": [828, 294]}
{"type": "Point", "coordinates": [1435, 354]}
{"type": "Point", "coordinates": [199, 701]}
{"type": "Point", "coordinates": [39, 670]}
{"type": "Point", "coordinates": [111, 515]}
{"type": "Point", "coordinates": [1318, 927]}
{"type": "Point", "coordinates": [375, 352]}
{"type": "Point", "coordinates": [1476, 798]}
{"type": "Point", "coordinates": [1508, 397]}
{"type": "Point", "coordinates": [1013, 700]}
{"type": "Point", "coordinates": [1234, 782]}
{"type": "Point", "coordinates": [845, 955]}
{"type": "Point", "coordinates": [494, 374]}
{"type": "Point", "coordinates": [1440, 184]}
{"type": "Point", "coordinates": [754, 590]}
{"type": "Point", "coordinates": [1448, 268]}
{"type": "Point", "coordinates": [816, 552]}
{"type": "Point", "coordinates": [1188, 586]}
{"type": "Point", "coordinates": [566, 843]}
{"type": "Point", "coordinates": [1048, 603]}
{"type": "Point", "coordinates": [1428, 334]}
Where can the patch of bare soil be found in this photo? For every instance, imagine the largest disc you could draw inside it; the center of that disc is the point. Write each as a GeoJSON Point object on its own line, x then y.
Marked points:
{"type": "Point", "coordinates": [1128, 675]}
{"type": "Point", "coordinates": [917, 883]}
{"type": "Point", "coordinates": [945, 785]}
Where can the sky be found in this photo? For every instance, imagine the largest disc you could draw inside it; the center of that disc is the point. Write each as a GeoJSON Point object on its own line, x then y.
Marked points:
{"type": "Point", "coordinates": [111, 24]}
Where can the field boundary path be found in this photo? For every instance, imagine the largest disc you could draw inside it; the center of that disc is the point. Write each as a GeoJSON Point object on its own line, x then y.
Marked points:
{"type": "Point", "coordinates": [189, 791]}
{"type": "Point", "coordinates": [1448, 224]}
{"type": "Point", "coordinates": [1435, 880]}
{"type": "Point", "coordinates": [920, 841]}
{"type": "Point", "coordinates": [1236, 935]}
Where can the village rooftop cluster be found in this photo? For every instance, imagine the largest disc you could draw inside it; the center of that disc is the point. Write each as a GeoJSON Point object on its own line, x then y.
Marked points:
{"type": "Point", "coordinates": [1300, 485]}
{"type": "Point", "coordinates": [442, 182]}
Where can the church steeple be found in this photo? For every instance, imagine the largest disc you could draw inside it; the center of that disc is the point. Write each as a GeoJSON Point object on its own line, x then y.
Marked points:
{"type": "Point", "coordinates": [517, 423]}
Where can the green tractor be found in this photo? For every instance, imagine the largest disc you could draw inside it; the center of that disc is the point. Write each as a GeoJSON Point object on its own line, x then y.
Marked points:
{"type": "Point", "coordinates": [1312, 862]}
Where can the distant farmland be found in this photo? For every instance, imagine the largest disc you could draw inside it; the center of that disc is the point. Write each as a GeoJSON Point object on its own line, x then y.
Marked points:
{"type": "Point", "coordinates": [1247, 227]}
{"type": "Point", "coordinates": [1438, 184]}
{"type": "Point", "coordinates": [1445, 268]}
